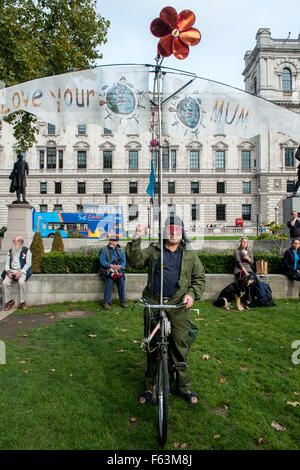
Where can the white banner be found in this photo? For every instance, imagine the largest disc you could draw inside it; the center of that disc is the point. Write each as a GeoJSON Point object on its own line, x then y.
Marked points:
{"type": "Point", "coordinates": [113, 97]}
{"type": "Point", "coordinates": [206, 108]}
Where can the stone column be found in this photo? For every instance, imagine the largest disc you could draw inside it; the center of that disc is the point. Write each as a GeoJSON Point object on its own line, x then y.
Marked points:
{"type": "Point", "coordinates": [19, 222]}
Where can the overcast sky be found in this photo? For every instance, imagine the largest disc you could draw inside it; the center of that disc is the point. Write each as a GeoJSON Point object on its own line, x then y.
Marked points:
{"type": "Point", "coordinates": [228, 30]}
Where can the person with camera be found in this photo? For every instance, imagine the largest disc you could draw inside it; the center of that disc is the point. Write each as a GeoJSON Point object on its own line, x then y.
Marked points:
{"type": "Point", "coordinates": [113, 264]}
{"type": "Point", "coordinates": [294, 225]}
{"type": "Point", "coordinates": [17, 268]}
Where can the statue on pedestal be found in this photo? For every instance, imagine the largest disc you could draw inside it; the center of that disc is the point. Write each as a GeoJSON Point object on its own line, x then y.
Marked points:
{"type": "Point", "coordinates": [18, 179]}
{"type": "Point", "coordinates": [297, 183]}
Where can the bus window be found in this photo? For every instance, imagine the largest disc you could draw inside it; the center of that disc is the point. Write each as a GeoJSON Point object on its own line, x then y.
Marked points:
{"type": "Point", "coordinates": [44, 225]}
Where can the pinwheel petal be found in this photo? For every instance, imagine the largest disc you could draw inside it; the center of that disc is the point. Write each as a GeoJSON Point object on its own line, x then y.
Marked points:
{"type": "Point", "coordinates": [164, 46]}
{"type": "Point", "coordinates": [169, 15]}
{"type": "Point", "coordinates": [191, 37]}
{"type": "Point", "coordinates": [160, 28]}
{"type": "Point", "coordinates": [185, 20]}
{"type": "Point", "coordinates": [180, 50]}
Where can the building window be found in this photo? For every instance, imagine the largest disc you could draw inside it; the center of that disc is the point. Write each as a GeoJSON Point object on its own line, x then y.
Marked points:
{"type": "Point", "coordinates": [107, 187]}
{"type": "Point", "coordinates": [286, 79]}
{"type": "Point", "coordinates": [43, 188]}
{"type": "Point", "coordinates": [173, 159]}
{"type": "Point", "coordinates": [81, 187]}
{"type": "Point", "coordinates": [289, 157]}
{"type": "Point", "coordinates": [133, 159]}
{"type": "Point", "coordinates": [42, 159]}
{"type": "Point", "coordinates": [133, 211]}
{"type": "Point", "coordinates": [246, 159]}
{"type": "Point", "coordinates": [51, 157]}
{"type": "Point", "coordinates": [220, 187]}
{"type": "Point", "coordinates": [60, 159]}
{"type": "Point", "coordinates": [107, 159]}
{"type": "Point", "coordinates": [51, 129]}
{"type": "Point", "coordinates": [79, 208]}
{"type": "Point", "coordinates": [43, 207]}
{"type": "Point", "coordinates": [154, 159]}
{"type": "Point", "coordinates": [220, 212]}
{"type": "Point", "coordinates": [171, 187]}
{"type": "Point", "coordinates": [81, 129]}
{"type": "Point", "coordinates": [220, 159]}
{"type": "Point", "coordinates": [107, 131]}
{"type": "Point", "coordinates": [246, 187]}
{"type": "Point", "coordinates": [195, 212]}
{"type": "Point", "coordinates": [246, 211]}
{"type": "Point", "coordinates": [57, 208]}
{"type": "Point", "coordinates": [57, 188]}
{"type": "Point", "coordinates": [132, 187]}
{"type": "Point", "coordinates": [81, 159]}
{"type": "Point", "coordinates": [195, 187]}
{"type": "Point", "coordinates": [165, 157]}
{"type": "Point", "coordinates": [290, 185]}
{"type": "Point", "coordinates": [194, 159]}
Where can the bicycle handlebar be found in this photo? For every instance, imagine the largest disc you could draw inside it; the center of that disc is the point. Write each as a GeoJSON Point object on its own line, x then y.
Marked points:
{"type": "Point", "coordinates": [145, 303]}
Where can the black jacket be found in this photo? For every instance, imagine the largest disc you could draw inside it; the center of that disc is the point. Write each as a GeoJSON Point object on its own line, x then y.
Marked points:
{"type": "Point", "coordinates": [294, 231]}
{"type": "Point", "coordinates": [289, 260]}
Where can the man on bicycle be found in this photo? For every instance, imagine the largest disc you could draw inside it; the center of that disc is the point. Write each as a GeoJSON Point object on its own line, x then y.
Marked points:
{"type": "Point", "coordinates": [183, 281]}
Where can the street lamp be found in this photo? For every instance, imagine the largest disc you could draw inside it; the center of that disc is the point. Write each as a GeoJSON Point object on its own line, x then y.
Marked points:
{"type": "Point", "coordinates": [106, 181]}
{"type": "Point", "coordinates": [149, 218]}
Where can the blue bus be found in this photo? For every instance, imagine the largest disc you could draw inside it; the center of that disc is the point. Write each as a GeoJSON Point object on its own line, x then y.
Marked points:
{"type": "Point", "coordinates": [103, 222]}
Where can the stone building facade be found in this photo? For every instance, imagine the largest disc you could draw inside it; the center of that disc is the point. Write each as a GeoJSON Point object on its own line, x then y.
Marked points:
{"type": "Point", "coordinates": [211, 181]}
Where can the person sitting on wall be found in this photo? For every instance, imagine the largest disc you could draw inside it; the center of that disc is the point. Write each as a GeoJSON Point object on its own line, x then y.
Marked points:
{"type": "Point", "coordinates": [17, 268]}
{"type": "Point", "coordinates": [113, 264]}
{"type": "Point", "coordinates": [291, 261]}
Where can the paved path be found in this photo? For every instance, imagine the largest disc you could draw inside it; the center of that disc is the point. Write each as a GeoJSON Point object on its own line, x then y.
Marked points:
{"type": "Point", "coordinates": [4, 314]}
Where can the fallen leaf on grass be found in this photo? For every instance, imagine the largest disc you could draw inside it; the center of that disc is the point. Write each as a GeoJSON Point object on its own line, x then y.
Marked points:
{"type": "Point", "coordinates": [123, 329]}
{"type": "Point", "coordinates": [140, 363]}
{"type": "Point", "coordinates": [26, 371]}
{"type": "Point", "coordinates": [244, 368]}
{"type": "Point", "coordinates": [260, 440]}
{"type": "Point", "coordinates": [293, 403]}
{"type": "Point", "coordinates": [51, 318]}
{"type": "Point", "coordinates": [219, 362]}
{"type": "Point", "coordinates": [249, 349]}
{"type": "Point", "coordinates": [223, 381]}
{"type": "Point", "coordinates": [199, 319]}
{"type": "Point", "coordinates": [239, 339]}
{"type": "Point", "coordinates": [184, 445]}
{"type": "Point", "coordinates": [22, 362]}
{"type": "Point", "coordinates": [122, 350]}
{"type": "Point", "coordinates": [70, 375]}
{"type": "Point", "coordinates": [132, 420]}
{"type": "Point", "coordinates": [92, 336]}
{"type": "Point", "coordinates": [52, 370]}
{"type": "Point", "coordinates": [217, 436]}
{"type": "Point", "coordinates": [135, 341]}
{"type": "Point", "coordinates": [205, 357]}
{"type": "Point", "coordinates": [296, 393]}
{"type": "Point", "coordinates": [277, 426]}
{"type": "Point", "coordinates": [25, 336]}
{"type": "Point", "coordinates": [117, 313]}
{"type": "Point", "coordinates": [176, 444]}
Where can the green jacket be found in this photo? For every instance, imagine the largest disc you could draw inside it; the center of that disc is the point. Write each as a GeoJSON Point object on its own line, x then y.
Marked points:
{"type": "Point", "coordinates": [192, 276]}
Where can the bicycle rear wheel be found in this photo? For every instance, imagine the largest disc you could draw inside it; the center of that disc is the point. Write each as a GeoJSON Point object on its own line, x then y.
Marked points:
{"type": "Point", "coordinates": [163, 396]}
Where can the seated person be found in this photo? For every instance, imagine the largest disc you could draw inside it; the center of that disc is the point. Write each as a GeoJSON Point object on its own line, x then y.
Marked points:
{"type": "Point", "coordinates": [291, 261]}
{"type": "Point", "coordinates": [113, 260]}
{"type": "Point", "coordinates": [243, 260]}
{"type": "Point", "coordinates": [17, 268]}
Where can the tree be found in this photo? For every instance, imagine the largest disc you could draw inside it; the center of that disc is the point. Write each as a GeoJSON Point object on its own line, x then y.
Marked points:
{"type": "Point", "coordinates": [46, 37]}
{"type": "Point", "coordinates": [37, 250]}
{"type": "Point", "coordinates": [277, 234]}
{"type": "Point", "coordinates": [58, 244]}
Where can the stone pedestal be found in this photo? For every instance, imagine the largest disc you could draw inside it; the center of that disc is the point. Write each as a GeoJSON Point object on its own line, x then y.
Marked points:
{"type": "Point", "coordinates": [19, 222]}
{"type": "Point", "coordinates": [289, 205]}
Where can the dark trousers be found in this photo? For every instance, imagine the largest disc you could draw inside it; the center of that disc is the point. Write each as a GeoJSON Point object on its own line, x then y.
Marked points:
{"type": "Point", "coordinates": [293, 276]}
{"type": "Point", "coordinates": [108, 289]}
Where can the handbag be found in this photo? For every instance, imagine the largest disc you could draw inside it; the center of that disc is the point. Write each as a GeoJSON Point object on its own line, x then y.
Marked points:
{"type": "Point", "coordinates": [114, 274]}
{"type": "Point", "coordinates": [261, 267]}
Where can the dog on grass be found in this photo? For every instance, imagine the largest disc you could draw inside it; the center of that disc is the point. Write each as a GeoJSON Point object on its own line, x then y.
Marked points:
{"type": "Point", "coordinates": [234, 291]}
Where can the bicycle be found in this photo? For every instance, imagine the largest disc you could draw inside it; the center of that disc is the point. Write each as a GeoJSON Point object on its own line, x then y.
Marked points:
{"type": "Point", "coordinates": [160, 392]}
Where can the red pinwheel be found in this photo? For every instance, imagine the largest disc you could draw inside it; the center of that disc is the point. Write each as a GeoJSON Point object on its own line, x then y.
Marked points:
{"type": "Point", "coordinates": [176, 32]}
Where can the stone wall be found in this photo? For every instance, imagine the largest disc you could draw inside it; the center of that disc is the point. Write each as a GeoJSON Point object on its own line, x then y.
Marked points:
{"type": "Point", "coordinates": [49, 288]}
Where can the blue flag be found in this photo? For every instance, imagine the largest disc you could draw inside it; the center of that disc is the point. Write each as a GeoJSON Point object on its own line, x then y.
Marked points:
{"type": "Point", "coordinates": [151, 185]}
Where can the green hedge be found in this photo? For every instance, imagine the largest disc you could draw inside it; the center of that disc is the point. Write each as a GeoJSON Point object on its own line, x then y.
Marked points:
{"type": "Point", "coordinates": [55, 262]}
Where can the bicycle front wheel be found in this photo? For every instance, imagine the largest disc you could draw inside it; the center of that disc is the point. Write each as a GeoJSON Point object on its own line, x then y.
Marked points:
{"type": "Point", "coordinates": [163, 396]}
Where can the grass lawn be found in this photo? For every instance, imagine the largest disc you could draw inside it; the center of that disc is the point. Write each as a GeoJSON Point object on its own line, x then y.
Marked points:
{"type": "Point", "coordinates": [63, 389]}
